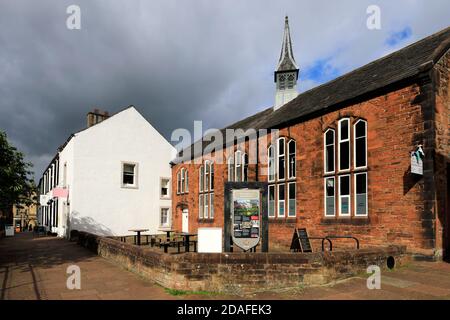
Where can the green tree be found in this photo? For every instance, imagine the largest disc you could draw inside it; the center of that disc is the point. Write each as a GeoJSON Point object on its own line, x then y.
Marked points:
{"type": "Point", "coordinates": [16, 185]}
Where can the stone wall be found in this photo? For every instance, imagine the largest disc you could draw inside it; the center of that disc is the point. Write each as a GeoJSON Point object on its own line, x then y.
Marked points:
{"type": "Point", "coordinates": [441, 78]}
{"type": "Point", "coordinates": [238, 273]}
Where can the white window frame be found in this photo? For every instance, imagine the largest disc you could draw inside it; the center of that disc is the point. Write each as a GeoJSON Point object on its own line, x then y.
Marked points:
{"type": "Point", "coordinates": [279, 186]}
{"type": "Point", "coordinates": [211, 205]}
{"type": "Point", "coordinates": [244, 166]}
{"type": "Point", "coordinates": [206, 180]}
{"type": "Point", "coordinates": [273, 164]}
{"type": "Point", "coordinates": [238, 165]}
{"type": "Point", "coordinates": [201, 177]}
{"type": "Point", "coordinates": [206, 193]}
{"type": "Point", "coordinates": [183, 170]}
{"type": "Point", "coordinates": [274, 214]}
{"type": "Point", "coordinates": [288, 162]}
{"type": "Point", "coordinates": [367, 195]}
{"type": "Point", "coordinates": [65, 175]}
{"type": "Point", "coordinates": [230, 163]}
{"type": "Point", "coordinates": [278, 156]}
{"type": "Point", "coordinates": [168, 217]}
{"type": "Point", "coordinates": [200, 206]}
{"type": "Point", "coordinates": [161, 179]}
{"type": "Point", "coordinates": [186, 181]}
{"type": "Point", "coordinates": [295, 199]}
{"type": "Point", "coordinates": [342, 141]}
{"type": "Point", "coordinates": [349, 196]}
{"type": "Point", "coordinates": [205, 205]}
{"type": "Point", "coordinates": [325, 147]}
{"type": "Point", "coordinates": [135, 185]}
{"type": "Point", "coordinates": [211, 175]}
{"type": "Point", "coordinates": [354, 143]}
{"type": "Point", "coordinates": [325, 196]}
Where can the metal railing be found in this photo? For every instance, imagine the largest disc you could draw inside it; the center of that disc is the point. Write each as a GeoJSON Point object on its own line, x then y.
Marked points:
{"type": "Point", "coordinates": [330, 242]}
{"type": "Point", "coordinates": [338, 237]}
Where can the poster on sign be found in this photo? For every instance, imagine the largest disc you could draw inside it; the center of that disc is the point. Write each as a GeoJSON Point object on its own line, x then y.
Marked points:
{"type": "Point", "coordinates": [246, 218]}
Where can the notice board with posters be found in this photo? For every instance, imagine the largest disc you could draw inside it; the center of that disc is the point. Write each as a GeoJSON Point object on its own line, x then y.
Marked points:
{"type": "Point", "coordinates": [246, 221]}
{"type": "Point", "coordinates": [246, 217]}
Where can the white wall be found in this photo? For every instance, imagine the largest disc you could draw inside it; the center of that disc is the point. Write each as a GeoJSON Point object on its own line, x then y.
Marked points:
{"type": "Point", "coordinates": [98, 203]}
{"type": "Point", "coordinates": [66, 156]}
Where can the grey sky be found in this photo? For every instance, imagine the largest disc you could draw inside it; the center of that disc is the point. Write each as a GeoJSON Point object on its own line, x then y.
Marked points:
{"type": "Point", "coordinates": [178, 60]}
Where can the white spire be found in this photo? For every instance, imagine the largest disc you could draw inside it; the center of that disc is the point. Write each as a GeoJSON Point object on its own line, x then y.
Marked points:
{"type": "Point", "coordinates": [286, 61]}
{"type": "Point", "coordinates": [286, 73]}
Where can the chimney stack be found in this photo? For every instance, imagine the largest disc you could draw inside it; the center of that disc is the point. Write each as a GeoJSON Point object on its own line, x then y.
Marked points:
{"type": "Point", "coordinates": [96, 116]}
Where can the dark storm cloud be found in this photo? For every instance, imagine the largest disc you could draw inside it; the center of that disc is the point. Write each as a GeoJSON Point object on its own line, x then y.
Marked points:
{"type": "Point", "coordinates": [176, 61]}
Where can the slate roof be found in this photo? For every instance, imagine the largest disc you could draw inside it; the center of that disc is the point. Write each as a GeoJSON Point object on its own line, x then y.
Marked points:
{"type": "Point", "coordinates": [403, 64]}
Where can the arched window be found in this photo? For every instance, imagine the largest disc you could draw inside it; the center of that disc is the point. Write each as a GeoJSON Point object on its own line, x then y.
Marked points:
{"type": "Point", "coordinates": [238, 167]}
{"type": "Point", "coordinates": [282, 184]}
{"type": "Point", "coordinates": [201, 178]}
{"type": "Point", "coordinates": [245, 168]}
{"type": "Point", "coordinates": [211, 187]}
{"type": "Point", "coordinates": [360, 144]}
{"type": "Point", "coordinates": [182, 181]}
{"type": "Point", "coordinates": [329, 151]}
{"type": "Point", "coordinates": [206, 196]}
{"type": "Point", "coordinates": [206, 170]}
{"type": "Point", "coordinates": [344, 144]}
{"type": "Point", "coordinates": [238, 162]}
{"type": "Point", "coordinates": [281, 158]}
{"type": "Point", "coordinates": [230, 168]}
{"type": "Point", "coordinates": [271, 163]}
{"type": "Point", "coordinates": [360, 160]}
{"type": "Point", "coordinates": [346, 189]}
{"type": "Point", "coordinates": [291, 159]}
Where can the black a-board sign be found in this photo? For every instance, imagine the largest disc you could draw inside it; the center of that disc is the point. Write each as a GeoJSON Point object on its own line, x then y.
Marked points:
{"type": "Point", "coordinates": [300, 241]}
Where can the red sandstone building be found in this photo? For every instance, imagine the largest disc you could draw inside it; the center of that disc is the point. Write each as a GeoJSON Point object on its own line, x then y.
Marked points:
{"type": "Point", "coordinates": [342, 161]}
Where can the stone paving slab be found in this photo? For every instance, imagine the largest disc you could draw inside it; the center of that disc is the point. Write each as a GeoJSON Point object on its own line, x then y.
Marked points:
{"type": "Point", "coordinates": [34, 268]}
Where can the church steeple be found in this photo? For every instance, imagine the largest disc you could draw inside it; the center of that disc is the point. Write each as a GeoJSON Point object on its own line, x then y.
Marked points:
{"type": "Point", "coordinates": [286, 74]}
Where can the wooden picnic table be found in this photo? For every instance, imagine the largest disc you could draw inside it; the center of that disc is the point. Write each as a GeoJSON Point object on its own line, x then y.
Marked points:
{"type": "Point", "coordinates": [138, 231]}
{"type": "Point", "coordinates": [186, 236]}
{"type": "Point", "coordinates": [168, 232]}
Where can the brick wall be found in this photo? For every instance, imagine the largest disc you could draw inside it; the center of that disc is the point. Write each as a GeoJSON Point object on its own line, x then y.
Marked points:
{"type": "Point", "coordinates": [238, 273]}
{"type": "Point", "coordinates": [401, 205]}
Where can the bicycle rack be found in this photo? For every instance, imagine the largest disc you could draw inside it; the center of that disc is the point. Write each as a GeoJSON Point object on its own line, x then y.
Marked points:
{"type": "Point", "coordinates": [338, 237]}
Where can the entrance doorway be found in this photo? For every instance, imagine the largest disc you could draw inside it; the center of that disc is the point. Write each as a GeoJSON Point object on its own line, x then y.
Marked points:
{"type": "Point", "coordinates": [185, 220]}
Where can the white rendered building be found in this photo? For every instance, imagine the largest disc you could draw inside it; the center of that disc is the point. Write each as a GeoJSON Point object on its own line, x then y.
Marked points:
{"type": "Point", "coordinates": [109, 178]}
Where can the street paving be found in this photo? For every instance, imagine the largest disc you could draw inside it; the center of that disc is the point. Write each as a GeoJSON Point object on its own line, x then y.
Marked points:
{"type": "Point", "coordinates": [35, 268]}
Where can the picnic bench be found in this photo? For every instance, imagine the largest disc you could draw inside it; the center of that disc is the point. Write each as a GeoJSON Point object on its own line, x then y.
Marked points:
{"type": "Point", "coordinates": [179, 240]}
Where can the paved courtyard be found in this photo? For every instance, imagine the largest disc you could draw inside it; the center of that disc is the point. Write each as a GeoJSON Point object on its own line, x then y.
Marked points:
{"type": "Point", "coordinates": [35, 268]}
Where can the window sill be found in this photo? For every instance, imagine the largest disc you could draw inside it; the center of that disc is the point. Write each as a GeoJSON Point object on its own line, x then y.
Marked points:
{"type": "Point", "coordinates": [276, 220]}
{"type": "Point", "coordinates": [209, 220]}
{"type": "Point", "coordinates": [124, 186]}
{"type": "Point", "coordinates": [345, 220]}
